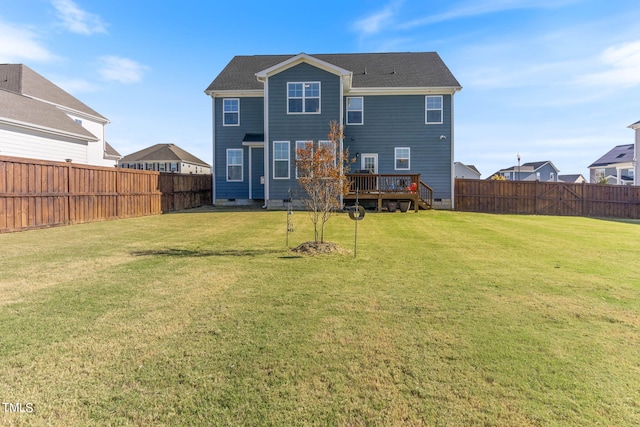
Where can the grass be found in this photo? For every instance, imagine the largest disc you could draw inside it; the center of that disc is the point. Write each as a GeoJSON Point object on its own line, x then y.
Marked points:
{"type": "Point", "coordinates": [206, 318]}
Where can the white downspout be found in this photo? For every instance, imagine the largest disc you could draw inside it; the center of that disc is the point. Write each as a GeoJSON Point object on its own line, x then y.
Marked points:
{"type": "Point", "coordinates": [213, 162]}
{"type": "Point", "coordinates": [452, 177]}
{"type": "Point", "coordinates": [267, 172]}
{"type": "Point", "coordinates": [342, 100]}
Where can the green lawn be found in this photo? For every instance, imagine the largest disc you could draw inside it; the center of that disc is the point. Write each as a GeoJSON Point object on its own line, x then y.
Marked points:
{"type": "Point", "coordinates": [206, 318]}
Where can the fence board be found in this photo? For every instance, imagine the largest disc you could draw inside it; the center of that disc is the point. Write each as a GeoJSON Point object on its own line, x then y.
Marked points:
{"type": "Point", "coordinates": [37, 194]}
{"type": "Point", "coordinates": [547, 198]}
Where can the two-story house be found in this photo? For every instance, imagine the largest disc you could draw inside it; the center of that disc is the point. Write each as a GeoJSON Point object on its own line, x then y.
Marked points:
{"type": "Point", "coordinates": [530, 171]}
{"type": "Point", "coordinates": [617, 166]}
{"type": "Point", "coordinates": [165, 158]}
{"type": "Point", "coordinates": [39, 120]}
{"type": "Point", "coordinates": [396, 109]}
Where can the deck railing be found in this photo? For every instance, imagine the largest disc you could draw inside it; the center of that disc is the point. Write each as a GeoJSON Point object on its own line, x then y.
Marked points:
{"type": "Point", "coordinates": [368, 183]}
{"type": "Point", "coordinates": [388, 187]}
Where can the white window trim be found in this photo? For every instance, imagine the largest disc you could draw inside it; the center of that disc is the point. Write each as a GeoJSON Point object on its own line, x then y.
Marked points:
{"type": "Point", "coordinates": [241, 165]}
{"type": "Point", "coordinates": [396, 158]}
{"type": "Point", "coordinates": [304, 98]}
{"type": "Point", "coordinates": [288, 160]}
{"type": "Point", "coordinates": [427, 109]}
{"type": "Point", "coordinates": [224, 122]}
{"type": "Point", "coordinates": [301, 145]}
{"type": "Point", "coordinates": [330, 144]}
{"type": "Point", "coordinates": [361, 111]}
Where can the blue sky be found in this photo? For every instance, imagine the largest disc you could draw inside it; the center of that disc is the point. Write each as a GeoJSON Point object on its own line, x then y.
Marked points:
{"type": "Point", "coordinates": [552, 80]}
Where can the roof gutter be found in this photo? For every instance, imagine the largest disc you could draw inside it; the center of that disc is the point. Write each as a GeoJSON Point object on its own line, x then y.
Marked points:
{"type": "Point", "coordinates": [52, 131]}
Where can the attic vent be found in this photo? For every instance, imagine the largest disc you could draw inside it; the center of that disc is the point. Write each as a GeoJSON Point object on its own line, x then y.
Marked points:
{"type": "Point", "coordinates": [620, 155]}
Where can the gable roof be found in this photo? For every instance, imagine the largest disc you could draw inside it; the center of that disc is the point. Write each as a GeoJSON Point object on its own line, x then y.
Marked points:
{"type": "Point", "coordinates": [163, 152]}
{"type": "Point", "coordinates": [529, 167]}
{"type": "Point", "coordinates": [538, 165]}
{"type": "Point", "coordinates": [369, 70]}
{"type": "Point", "coordinates": [111, 152]}
{"type": "Point", "coordinates": [618, 154]}
{"type": "Point", "coordinates": [571, 177]}
{"type": "Point", "coordinates": [470, 167]}
{"type": "Point", "coordinates": [20, 79]}
{"type": "Point", "coordinates": [635, 125]}
{"type": "Point", "coordinates": [21, 111]}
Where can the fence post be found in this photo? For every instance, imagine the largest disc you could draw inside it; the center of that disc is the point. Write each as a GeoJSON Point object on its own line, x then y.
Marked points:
{"type": "Point", "coordinates": [69, 189]}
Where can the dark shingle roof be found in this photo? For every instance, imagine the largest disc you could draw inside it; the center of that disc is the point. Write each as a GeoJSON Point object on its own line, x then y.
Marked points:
{"type": "Point", "coordinates": [163, 152]}
{"type": "Point", "coordinates": [570, 177]}
{"type": "Point", "coordinates": [536, 165]}
{"type": "Point", "coordinates": [618, 154]}
{"type": "Point", "coordinates": [22, 110]}
{"type": "Point", "coordinates": [370, 70]}
{"type": "Point", "coordinates": [20, 79]}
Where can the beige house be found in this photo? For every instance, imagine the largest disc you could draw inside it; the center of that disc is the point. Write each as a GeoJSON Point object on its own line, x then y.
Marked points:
{"type": "Point", "coordinates": [165, 158]}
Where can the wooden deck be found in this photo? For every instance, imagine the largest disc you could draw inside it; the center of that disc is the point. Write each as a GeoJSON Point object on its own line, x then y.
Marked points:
{"type": "Point", "coordinates": [385, 188]}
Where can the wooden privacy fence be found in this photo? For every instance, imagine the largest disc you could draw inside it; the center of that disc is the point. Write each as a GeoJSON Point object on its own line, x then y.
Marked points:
{"type": "Point", "coordinates": [547, 198]}
{"type": "Point", "coordinates": [37, 194]}
{"type": "Point", "coordinates": [184, 191]}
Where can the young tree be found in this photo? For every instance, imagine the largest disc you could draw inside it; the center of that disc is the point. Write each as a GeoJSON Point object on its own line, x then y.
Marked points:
{"type": "Point", "coordinates": [320, 171]}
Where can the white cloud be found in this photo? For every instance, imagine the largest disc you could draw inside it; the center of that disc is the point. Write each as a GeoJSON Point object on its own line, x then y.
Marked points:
{"type": "Point", "coordinates": [77, 20]}
{"type": "Point", "coordinates": [22, 45]}
{"type": "Point", "coordinates": [623, 63]}
{"type": "Point", "coordinates": [123, 70]}
{"type": "Point", "coordinates": [375, 23]}
{"type": "Point", "coordinates": [475, 8]}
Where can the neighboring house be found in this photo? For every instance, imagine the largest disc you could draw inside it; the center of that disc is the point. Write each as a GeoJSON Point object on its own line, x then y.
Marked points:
{"type": "Point", "coordinates": [466, 171]}
{"type": "Point", "coordinates": [39, 120]}
{"type": "Point", "coordinates": [617, 166]}
{"type": "Point", "coordinates": [165, 158]}
{"type": "Point", "coordinates": [636, 129]}
{"type": "Point", "coordinates": [531, 171]}
{"type": "Point", "coordinates": [572, 178]}
{"type": "Point", "coordinates": [396, 108]}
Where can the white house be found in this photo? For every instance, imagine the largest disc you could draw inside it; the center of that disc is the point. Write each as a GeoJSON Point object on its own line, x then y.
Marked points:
{"type": "Point", "coordinates": [636, 128]}
{"type": "Point", "coordinates": [39, 120]}
{"type": "Point", "coordinates": [466, 171]}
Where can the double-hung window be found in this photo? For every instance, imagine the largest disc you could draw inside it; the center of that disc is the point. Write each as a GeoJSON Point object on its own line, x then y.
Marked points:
{"type": "Point", "coordinates": [281, 159]}
{"type": "Point", "coordinates": [231, 112]}
{"type": "Point", "coordinates": [355, 110]}
{"type": "Point", "coordinates": [304, 151]}
{"type": "Point", "coordinates": [234, 164]}
{"type": "Point", "coordinates": [303, 98]}
{"type": "Point", "coordinates": [402, 158]}
{"type": "Point", "coordinates": [433, 114]}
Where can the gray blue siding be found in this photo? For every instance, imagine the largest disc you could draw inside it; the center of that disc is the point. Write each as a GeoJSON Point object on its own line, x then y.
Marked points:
{"type": "Point", "coordinates": [251, 121]}
{"type": "Point", "coordinates": [292, 127]}
{"type": "Point", "coordinates": [399, 121]}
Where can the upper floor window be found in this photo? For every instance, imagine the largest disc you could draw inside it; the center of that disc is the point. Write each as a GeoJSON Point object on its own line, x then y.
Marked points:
{"type": "Point", "coordinates": [403, 158]}
{"type": "Point", "coordinates": [281, 159]}
{"type": "Point", "coordinates": [303, 98]}
{"type": "Point", "coordinates": [433, 113]}
{"type": "Point", "coordinates": [355, 110]}
{"type": "Point", "coordinates": [231, 111]}
{"type": "Point", "coordinates": [234, 164]}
